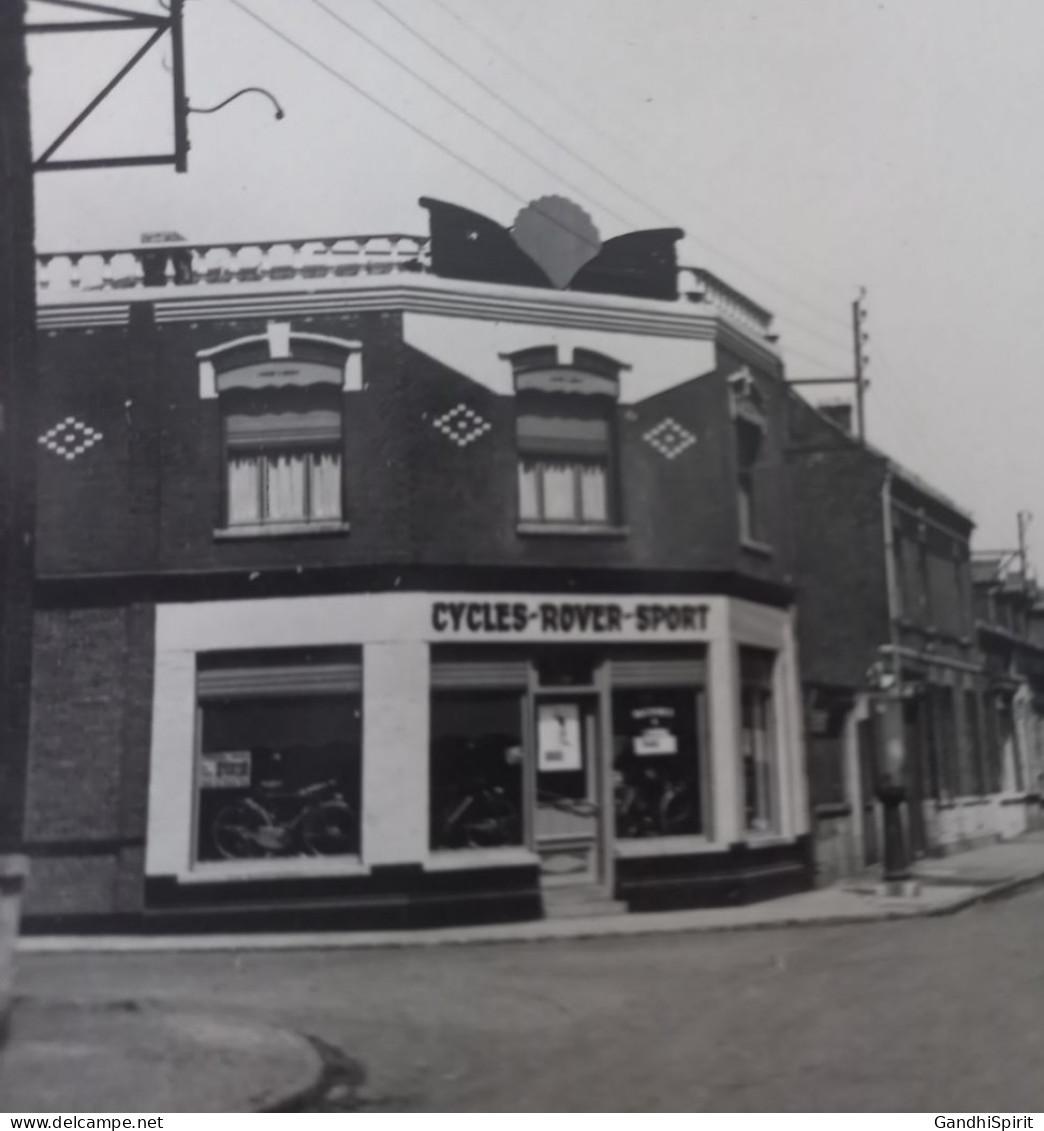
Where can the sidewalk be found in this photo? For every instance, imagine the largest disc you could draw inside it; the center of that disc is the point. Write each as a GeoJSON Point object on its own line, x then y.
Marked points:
{"type": "Point", "coordinates": [130, 1057]}
{"type": "Point", "coordinates": [947, 885]}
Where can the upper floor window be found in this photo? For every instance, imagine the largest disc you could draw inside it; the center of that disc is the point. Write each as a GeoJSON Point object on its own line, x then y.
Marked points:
{"type": "Point", "coordinates": [281, 402]}
{"type": "Point", "coordinates": [749, 439]}
{"type": "Point", "coordinates": [750, 425]}
{"type": "Point", "coordinates": [566, 439]}
{"type": "Point", "coordinates": [282, 455]}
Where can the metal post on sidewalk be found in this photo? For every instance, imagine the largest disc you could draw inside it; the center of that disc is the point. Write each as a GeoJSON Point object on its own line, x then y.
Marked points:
{"type": "Point", "coordinates": [896, 879]}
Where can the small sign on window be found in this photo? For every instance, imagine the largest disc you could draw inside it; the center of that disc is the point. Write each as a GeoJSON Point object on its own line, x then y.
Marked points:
{"type": "Point", "coordinates": [558, 737]}
{"type": "Point", "coordinates": [229, 769]}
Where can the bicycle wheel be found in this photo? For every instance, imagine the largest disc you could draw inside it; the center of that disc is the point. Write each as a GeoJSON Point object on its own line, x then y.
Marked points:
{"type": "Point", "coordinates": [329, 829]}
{"type": "Point", "coordinates": [242, 831]}
{"type": "Point", "coordinates": [677, 811]}
{"type": "Point", "coordinates": [491, 821]}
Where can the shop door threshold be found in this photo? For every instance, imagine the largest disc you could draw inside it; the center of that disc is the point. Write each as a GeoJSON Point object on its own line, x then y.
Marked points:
{"type": "Point", "coordinates": [580, 901]}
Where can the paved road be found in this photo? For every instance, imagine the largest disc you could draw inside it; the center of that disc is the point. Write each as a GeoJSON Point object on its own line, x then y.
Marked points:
{"type": "Point", "coordinates": [933, 1015]}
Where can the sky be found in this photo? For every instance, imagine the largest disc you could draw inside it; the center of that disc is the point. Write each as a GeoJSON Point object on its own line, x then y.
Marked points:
{"type": "Point", "coordinates": [807, 148]}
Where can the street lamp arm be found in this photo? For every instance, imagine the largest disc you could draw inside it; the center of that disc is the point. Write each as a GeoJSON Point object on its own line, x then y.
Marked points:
{"type": "Point", "coordinates": [279, 112]}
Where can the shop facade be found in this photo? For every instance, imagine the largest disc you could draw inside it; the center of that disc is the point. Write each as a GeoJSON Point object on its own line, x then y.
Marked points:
{"type": "Point", "coordinates": [442, 580]}
{"type": "Point", "coordinates": [461, 756]}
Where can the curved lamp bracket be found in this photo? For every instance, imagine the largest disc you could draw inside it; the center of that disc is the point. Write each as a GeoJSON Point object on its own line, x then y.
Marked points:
{"type": "Point", "coordinates": [279, 112]}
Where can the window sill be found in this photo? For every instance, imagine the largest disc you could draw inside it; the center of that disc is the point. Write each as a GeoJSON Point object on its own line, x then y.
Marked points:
{"type": "Point", "coordinates": [280, 530]}
{"type": "Point", "coordinates": [753, 546]}
{"type": "Point", "coordinates": [460, 859]}
{"type": "Point", "coordinates": [830, 809]}
{"type": "Point", "coordinates": [665, 846]}
{"type": "Point", "coordinates": [219, 871]}
{"type": "Point", "coordinates": [572, 530]}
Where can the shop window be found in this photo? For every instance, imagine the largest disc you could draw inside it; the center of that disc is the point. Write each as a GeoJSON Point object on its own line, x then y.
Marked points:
{"type": "Point", "coordinates": [657, 763]}
{"type": "Point", "coordinates": [278, 771]}
{"type": "Point", "coordinates": [974, 775]}
{"type": "Point", "coordinates": [476, 768]}
{"type": "Point", "coordinates": [944, 731]}
{"type": "Point", "coordinates": [758, 741]}
{"type": "Point", "coordinates": [825, 734]}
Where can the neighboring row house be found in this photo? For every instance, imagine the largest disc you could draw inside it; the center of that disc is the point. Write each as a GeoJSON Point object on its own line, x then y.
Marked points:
{"type": "Point", "coordinates": [893, 646]}
{"type": "Point", "coordinates": [387, 581]}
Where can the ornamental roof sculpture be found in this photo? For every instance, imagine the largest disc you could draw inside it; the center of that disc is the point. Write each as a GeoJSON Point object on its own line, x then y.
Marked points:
{"type": "Point", "coordinates": [553, 243]}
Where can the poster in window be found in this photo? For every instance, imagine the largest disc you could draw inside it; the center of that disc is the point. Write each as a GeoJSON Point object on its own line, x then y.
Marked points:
{"type": "Point", "coordinates": [654, 731]}
{"type": "Point", "coordinates": [559, 741]}
{"type": "Point", "coordinates": [226, 769]}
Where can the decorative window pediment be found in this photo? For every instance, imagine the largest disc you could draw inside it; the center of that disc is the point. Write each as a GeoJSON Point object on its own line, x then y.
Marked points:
{"type": "Point", "coordinates": [746, 400]}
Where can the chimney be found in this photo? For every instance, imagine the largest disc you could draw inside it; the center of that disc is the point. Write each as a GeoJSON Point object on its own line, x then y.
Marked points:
{"type": "Point", "coordinates": [839, 412]}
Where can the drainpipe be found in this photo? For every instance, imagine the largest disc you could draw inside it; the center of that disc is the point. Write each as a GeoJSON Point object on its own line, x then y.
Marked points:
{"type": "Point", "coordinates": [891, 770]}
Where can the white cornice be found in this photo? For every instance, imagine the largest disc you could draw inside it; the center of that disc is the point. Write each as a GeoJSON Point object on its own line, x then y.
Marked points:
{"type": "Point", "coordinates": [421, 294]}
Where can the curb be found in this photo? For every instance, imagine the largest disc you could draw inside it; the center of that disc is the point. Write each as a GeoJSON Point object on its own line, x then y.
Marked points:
{"type": "Point", "coordinates": [642, 928]}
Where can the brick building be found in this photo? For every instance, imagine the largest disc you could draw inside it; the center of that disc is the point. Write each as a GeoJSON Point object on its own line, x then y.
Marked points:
{"type": "Point", "coordinates": [886, 624]}
{"type": "Point", "coordinates": [397, 580]}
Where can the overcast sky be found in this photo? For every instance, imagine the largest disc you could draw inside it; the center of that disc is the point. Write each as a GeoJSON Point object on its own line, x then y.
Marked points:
{"type": "Point", "coordinates": [806, 147]}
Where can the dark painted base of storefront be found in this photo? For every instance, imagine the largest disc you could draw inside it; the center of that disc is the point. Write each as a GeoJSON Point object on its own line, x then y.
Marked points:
{"type": "Point", "coordinates": [409, 898]}
{"type": "Point", "coordinates": [744, 874]}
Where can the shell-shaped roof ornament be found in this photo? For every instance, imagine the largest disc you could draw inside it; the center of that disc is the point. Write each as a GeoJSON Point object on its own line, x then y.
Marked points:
{"type": "Point", "coordinates": [558, 235]}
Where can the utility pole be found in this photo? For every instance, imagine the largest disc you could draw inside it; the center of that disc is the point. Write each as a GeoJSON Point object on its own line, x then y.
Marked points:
{"type": "Point", "coordinates": [860, 362]}
{"type": "Point", "coordinates": [1024, 518]}
{"type": "Point", "coordinates": [859, 339]}
{"type": "Point", "coordinates": [17, 421]}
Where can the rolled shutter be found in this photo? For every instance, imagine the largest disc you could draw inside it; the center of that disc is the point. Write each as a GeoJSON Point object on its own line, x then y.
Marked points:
{"type": "Point", "coordinates": [688, 672]}
{"type": "Point", "coordinates": [278, 681]}
{"type": "Point", "coordinates": [449, 674]}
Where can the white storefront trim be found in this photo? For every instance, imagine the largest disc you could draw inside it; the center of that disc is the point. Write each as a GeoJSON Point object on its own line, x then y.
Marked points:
{"type": "Point", "coordinates": [395, 631]}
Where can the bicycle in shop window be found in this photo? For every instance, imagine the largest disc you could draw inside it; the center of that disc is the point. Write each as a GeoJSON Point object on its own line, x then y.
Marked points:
{"type": "Point", "coordinates": [312, 819]}
{"type": "Point", "coordinates": [484, 816]}
{"type": "Point", "coordinates": [649, 802]}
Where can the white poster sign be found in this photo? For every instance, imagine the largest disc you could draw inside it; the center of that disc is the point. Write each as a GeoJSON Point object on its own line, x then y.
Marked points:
{"type": "Point", "coordinates": [656, 740]}
{"type": "Point", "coordinates": [229, 769]}
{"type": "Point", "coordinates": [559, 739]}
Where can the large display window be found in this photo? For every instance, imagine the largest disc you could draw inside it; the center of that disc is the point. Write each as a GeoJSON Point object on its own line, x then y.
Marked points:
{"type": "Point", "coordinates": [658, 748]}
{"type": "Point", "coordinates": [476, 768]}
{"type": "Point", "coordinates": [278, 770]}
{"type": "Point", "coordinates": [758, 741]}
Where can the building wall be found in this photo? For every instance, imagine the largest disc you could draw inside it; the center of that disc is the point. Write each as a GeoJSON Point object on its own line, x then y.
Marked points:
{"type": "Point", "coordinates": [145, 496]}
{"type": "Point", "coordinates": [840, 568]}
{"type": "Point", "coordinates": [89, 759]}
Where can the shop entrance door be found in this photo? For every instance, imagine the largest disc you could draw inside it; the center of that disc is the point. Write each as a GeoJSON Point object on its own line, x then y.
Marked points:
{"type": "Point", "coordinates": [568, 822]}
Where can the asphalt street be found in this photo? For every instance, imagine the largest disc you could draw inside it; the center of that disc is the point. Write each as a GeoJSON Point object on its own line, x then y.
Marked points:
{"type": "Point", "coordinates": [935, 1015]}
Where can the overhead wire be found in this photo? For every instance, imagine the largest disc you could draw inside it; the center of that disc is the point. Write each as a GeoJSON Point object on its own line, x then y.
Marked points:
{"type": "Point", "coordinates": [416, 129]}
{"type": "Point", "coordinates": [541, 82]}
{"type": "Point", "coordinates": [653, 209]}
{"type": "Point", "coordinates": [461, 108]}
{"type": "Point", "coordinates": [400, 118]}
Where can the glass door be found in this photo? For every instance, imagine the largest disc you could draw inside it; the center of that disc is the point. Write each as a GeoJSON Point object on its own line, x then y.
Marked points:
{"type": "Point", "coordinates": [567, 771]}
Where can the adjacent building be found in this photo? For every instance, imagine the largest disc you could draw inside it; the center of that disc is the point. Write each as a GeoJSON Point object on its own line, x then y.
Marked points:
{"type": "Point", "coordinates": [399, 580]}
{"type": "Point", "coordinates": [896, 657]}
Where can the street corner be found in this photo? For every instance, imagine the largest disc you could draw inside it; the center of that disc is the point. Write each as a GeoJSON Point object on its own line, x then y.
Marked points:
{"type": "Point", "coordinates": [141, 1056]}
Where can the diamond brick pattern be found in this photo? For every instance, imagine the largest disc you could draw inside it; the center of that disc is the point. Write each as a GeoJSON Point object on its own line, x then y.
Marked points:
{"type": "Point", "coordinates": [70, 438]}
{"type": "Point", "coordinates": [669, 438]}
{"type": "Point", "coordinates": [462, 425]}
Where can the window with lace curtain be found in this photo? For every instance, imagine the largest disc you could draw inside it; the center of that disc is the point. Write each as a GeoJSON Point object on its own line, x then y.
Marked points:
{"type": "Point", "coordinates": [283, 452]}
{"type": "Point", "coordinates": [566, 440]}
